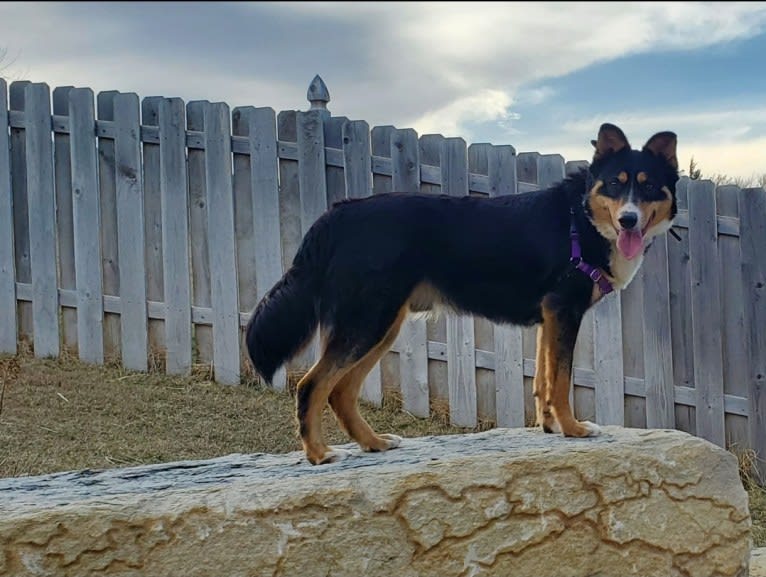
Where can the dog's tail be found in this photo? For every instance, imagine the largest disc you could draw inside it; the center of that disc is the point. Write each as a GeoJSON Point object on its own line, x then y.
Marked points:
{"type": "Point", "coordinates": [282, 322]}
{"type": "Point", "coordinates": [286, 318]}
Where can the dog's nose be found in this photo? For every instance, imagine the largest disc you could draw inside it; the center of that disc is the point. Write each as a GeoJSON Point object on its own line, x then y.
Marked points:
{"type": "Point", "coordinates": [628, 220]}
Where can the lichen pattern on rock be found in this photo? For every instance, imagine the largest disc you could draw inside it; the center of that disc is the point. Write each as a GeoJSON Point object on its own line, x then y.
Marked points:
{"type": "Point", "coordinates": [502, 502]}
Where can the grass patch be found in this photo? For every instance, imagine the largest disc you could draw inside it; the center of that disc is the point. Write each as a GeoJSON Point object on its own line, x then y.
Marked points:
{"type": "Point", "coordinates": [60, 415]}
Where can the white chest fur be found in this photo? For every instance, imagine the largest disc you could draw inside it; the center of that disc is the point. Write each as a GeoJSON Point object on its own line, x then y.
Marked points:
{"type": "Point", "coordinates": [623, 270]}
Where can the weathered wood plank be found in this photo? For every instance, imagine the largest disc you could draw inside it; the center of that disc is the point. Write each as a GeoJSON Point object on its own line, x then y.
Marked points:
{"type": "Point", "coordinates": [461, 361]}
{"type": "Point", "coordinates": [8, 318]}
{"type": "Point", "coordinates": [134, 331]}
{"type": "Point", "coordinates": [483, 330]}
{"type": "Point", "coordinates": [413, 337]}
{"type": "Point", "coordinates": [264, 186]}
{"type": "Point", "coordinates": [200, 264]}
{"type": "Point", "coordinates": [313, 190]}
{"type": "Point", "coordinates": [680, 313]}
{"type": "Point", "coordinates": [222, 243]}
{"type": "Point", "coordinates": [110, 256]}
{"type": "Point", "coordinates": [430, 151]}
{"type": "Point", "coordinates": [390, 364]}
{"type": "Point", "coordinates": [706, 311]}
{"type": "Point", "coordinates": [42, 220]}
{"type": "Point", "coordinates": [335, 179]}
{"type": "Point", "coordinates": [735, 362]}
{"type": "Point", "coordinates": [355, 138]}
{"type": "Point", "coordinates": [175, 236]}
{"type": "Point", "coordinates": [155, 285]}
{"type": "Point", "coordinates": [508, 340]}
{"type": "Point", "coordinates": [752, 212]}
{"type": "Point", "coordinates": [87, 227]}
{"type": "Point", "coordinates": [607, 348]}
{"type": "Point", "coordinates": [380, 142]}
{"type": "Point", "coordinates": [289, 190]}
{"type": "Point", "coordinates": [526, 170]}
{"type": "Point", "coordinates": [18, 157]}
{"type": "Point", "coordinates": [658, 346]}
{"type": "Point", "coordinates": [62, 174]}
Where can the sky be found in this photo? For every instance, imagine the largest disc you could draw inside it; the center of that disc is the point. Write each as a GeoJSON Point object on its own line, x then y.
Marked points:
{"type": "Point", "coordinates": [539, 76]}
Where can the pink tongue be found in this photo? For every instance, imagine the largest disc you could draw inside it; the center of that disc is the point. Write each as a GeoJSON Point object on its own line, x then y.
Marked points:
{"type": "Point", "coordinates": [630, 243]}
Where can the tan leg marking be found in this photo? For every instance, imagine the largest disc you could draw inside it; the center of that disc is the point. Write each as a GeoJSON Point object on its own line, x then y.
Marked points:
{"type": "Point", "coordinates": [344, 399]}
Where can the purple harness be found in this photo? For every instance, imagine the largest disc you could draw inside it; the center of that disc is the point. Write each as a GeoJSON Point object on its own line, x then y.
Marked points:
{"type": "Point", "coordinates": [595, 274]}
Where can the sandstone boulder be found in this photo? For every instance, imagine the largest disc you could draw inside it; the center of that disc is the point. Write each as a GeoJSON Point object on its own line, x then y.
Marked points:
{"type": "Point", "coordinates": [503, 502]}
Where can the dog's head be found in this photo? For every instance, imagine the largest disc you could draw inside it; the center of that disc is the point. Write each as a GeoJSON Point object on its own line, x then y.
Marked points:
{"type": "Point", "coordinates": [632, 196]}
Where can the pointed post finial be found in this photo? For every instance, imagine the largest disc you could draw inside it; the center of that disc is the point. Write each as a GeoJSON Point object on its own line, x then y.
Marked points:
{"type": "Point", "coordinates": [318, 95]}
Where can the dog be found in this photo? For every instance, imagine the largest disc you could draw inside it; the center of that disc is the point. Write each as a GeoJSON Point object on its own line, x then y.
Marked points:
{"type": "Point", "coordinates": [537, 258]}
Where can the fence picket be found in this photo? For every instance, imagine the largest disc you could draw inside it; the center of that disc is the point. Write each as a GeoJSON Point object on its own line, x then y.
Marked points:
{"type": "Point", "coordinates": [735, 361]}
{"type": "Point", "coordinates": [264, 186]}
{"type": "Point", "coordinates": [461, 352]}
{"type": "Point", "coordinates": [155, 275]}
{"type": "Point", "coordinates": [175, 235]}
{"type": "Point", "coordinates": [87, 226]}
{"type": "Point", "coordinates": [312, 184]}
{"type": "Point", "coordinates": [42, 221]}
{"type": "Point", "coordinates": [222, 243]}
{"type": "Point", "coordinates": [18, 157]}
{"type": "Point", "coordinates": [110, 256]}
{"type": "Point", "coordinates": [130, 232]}
{"type": "Point", "coordinates": [8, 319]}
{"type": "Point", "coordinates": [198, 207]}
{"type": "Point", "coordinates": [62, 171]}
{"type": "Point", "coordinates": [357, 159]}
{"type": "Point", "coordinates": [510, 399]}
{"type": "Point", "coordinates": [658, 346]}
{"type": "Point", "coordinates": [413, 338]}
{"type": "Point", "coordinates": [483, 329]}
{"type": "Point", "coordinates": [706, 311]}
{"type": "Point", "coordinates": [752, 213]}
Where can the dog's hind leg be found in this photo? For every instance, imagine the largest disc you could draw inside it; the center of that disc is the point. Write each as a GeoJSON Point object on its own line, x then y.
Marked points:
{"type": "Point", "coordinates": [311, 399]}
{"type": "Point", "coordinates": [561, 328]}
{"type": "Point", "coordinates": [345, 396]}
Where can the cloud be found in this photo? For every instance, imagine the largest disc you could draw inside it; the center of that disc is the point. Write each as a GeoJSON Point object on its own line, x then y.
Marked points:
{"type": "Point", "coordinates": [445, 67]}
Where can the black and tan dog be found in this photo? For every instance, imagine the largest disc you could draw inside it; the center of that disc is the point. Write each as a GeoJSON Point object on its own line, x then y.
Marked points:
{"type": "Point", "coordinates": [541, 257]}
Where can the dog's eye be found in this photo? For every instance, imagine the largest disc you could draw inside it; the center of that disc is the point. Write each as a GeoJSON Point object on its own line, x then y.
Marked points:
{"type": "Point", "coordinates": [649, 187]}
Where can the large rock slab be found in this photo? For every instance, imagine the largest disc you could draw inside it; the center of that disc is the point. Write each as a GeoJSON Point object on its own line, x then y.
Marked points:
{"type": "Point", "coordinates": [503, 502]}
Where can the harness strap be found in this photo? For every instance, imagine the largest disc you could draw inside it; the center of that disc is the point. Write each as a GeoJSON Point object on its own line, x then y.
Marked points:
{"type": "Point", "coordinates": [595, 274]}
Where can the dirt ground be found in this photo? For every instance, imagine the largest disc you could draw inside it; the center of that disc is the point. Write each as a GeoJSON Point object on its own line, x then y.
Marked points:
{"type": "Point", "coordinates": [58, 415]}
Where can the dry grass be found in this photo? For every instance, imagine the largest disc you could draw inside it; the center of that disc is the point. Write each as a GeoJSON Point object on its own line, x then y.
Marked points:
{"type": "Point", "coordinates": [58, 415]}
{"type": "Point", "coordinates": [63, 415]}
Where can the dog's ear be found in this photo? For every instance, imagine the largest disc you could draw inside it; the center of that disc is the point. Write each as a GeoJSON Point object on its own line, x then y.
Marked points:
{"type": "Point", "coordinates": [664, 144]}
{"type": "Point", "coordinates": [610, 139]}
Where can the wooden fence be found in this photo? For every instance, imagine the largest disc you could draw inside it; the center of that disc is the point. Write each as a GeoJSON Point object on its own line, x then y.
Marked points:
{"type": "Point", "coordinates": [130, 227]}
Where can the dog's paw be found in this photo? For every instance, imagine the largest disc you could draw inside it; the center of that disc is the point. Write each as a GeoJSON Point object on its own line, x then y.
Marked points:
{"type": "Point", "coordinates": [382, 443]}
{"type": "Point", "coordinates": [333, 456]}
{"type": "Point", "coordinates": [393, 440]}
{"type": "Point", "coordinates": [593, 430]}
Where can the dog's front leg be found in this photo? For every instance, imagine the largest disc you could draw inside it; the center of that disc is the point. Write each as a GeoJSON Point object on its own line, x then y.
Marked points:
{"type": "Point", "coordinates": [560, 334]}
{"type": "Point", "coordinates": [544, 416]}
